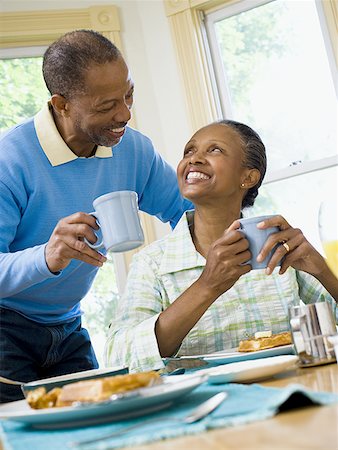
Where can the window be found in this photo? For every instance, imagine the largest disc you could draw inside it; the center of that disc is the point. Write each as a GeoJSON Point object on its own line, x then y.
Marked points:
{"type": "Point", "coordinates": [22, 90]}
{"type": "Point", "coordinates": [273, 65]}
{"type": "Point", "coordinates": [274, 70]}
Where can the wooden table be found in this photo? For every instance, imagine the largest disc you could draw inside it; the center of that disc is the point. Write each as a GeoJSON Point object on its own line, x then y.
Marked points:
{"type": "Point", "coordinates": [314, 427]}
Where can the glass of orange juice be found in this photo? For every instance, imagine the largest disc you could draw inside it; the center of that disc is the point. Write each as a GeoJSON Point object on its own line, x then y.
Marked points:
{"type": "Point", "coordinates": [328, 232]}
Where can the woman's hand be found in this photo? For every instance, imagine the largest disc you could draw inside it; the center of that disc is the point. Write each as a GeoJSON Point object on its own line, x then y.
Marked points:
{"type": "Point", "coordinates": [292, 247]}
{"type": "Point", "coordinates": [226, 260]}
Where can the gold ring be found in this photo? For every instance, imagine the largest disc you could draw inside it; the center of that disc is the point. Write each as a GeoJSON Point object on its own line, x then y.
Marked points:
{"type": "Point", "coordinates": [287, 248]}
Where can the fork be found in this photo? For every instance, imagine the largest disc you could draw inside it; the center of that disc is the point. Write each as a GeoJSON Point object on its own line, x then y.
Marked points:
{"type": "Point", "coordinates": [8, 381]}
{"type": "Point", "coordinates": [194, 416]}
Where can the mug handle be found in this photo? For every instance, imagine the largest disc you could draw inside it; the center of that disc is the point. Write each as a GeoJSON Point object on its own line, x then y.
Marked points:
{"type": "Point", "coordinates": [97, 245]}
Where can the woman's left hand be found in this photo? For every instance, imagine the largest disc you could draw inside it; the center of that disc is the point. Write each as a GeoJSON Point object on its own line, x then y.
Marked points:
{"type": "Point", "coordinates": [292, 246]}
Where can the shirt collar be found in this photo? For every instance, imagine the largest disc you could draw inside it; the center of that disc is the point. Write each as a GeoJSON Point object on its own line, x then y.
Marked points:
{"type": "Point", "coordinates": [180, 252]}
{"type": "Point", "coordinates": [55, 148]}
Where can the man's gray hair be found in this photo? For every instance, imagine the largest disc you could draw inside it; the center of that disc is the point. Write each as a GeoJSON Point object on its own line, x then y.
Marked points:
{"type": "Point", "coordinates": [66, 61]}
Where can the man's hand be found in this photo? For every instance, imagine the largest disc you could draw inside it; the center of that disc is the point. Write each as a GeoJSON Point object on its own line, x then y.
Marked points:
{"type": "Point", "coordinates": [66, 242]}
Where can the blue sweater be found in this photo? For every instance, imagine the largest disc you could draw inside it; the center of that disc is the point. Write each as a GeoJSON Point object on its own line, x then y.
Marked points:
{"type": "Point", "coordinates": [34, 196]}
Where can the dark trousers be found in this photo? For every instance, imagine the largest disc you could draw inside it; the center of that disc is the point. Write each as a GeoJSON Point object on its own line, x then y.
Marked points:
{"type": "Point", "coordinates": [30, 351]}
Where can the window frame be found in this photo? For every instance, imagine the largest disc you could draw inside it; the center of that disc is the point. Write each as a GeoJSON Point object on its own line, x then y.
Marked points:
{"type": "Point", "coordinates": [187, 21]}
{"type": "Point", "coordinates": [209, 19]}
{"type": "Point", "coordinates": [295, 168]}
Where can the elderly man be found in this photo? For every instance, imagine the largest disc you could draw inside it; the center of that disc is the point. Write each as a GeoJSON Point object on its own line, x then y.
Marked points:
{"type": "Point", "coordinates": [52, 167]}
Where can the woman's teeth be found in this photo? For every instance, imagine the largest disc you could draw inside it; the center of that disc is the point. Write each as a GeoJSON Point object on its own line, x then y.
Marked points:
{"type": "Point", "coordinates": [199, 175]}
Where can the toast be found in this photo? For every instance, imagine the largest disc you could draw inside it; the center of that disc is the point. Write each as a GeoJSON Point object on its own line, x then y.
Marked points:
{"type": "Point", "coordinates": [261, 343]}
{"type": "Point", "coordinates": [94, 390]}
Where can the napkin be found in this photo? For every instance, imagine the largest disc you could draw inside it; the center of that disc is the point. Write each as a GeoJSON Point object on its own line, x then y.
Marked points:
{"type": "Point", "coordinates": [244, 404]}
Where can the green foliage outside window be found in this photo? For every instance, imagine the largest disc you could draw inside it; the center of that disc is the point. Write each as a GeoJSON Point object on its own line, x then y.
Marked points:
{"type": "Point", "coordinates": [245, 40]}
{"type": "Point", "coordinates": [100, 303]}
{"type": "Point", "coordinates": [22, 90]}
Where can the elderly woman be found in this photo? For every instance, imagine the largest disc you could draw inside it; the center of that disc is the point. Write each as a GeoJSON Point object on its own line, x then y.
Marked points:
{"type": "Point", "coordinates": [193, 292]}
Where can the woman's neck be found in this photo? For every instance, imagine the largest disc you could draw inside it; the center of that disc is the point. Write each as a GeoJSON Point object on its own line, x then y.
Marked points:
{"type": "Point", "coordinates": [209, 225]}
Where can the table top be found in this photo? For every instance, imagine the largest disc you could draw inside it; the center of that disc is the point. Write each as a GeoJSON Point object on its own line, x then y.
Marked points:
{"type": "Point", "coordinates": [311, 427]}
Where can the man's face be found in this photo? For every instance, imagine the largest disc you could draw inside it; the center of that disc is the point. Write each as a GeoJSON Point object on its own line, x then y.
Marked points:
{"type": "Point", "coordinates": [100, 114]}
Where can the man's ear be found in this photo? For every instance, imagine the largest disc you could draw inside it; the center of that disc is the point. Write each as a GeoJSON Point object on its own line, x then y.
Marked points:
{"type": "Point", "coordinates": [60, 105]}
{"type": "Point", "coordinates": [251, 178]}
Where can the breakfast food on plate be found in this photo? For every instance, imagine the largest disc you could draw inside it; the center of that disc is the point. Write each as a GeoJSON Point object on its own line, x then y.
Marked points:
{"type": "Point", "coordinates": [95, 390]}
{"type": "Point", "coordinates": [39, 398]}
{"type": "Point", "coordinates": [264, 340]}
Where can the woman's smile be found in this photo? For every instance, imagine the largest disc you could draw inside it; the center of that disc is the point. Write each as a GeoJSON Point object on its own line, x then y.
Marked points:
{"type": "Point", "coordinates": [196, 177]}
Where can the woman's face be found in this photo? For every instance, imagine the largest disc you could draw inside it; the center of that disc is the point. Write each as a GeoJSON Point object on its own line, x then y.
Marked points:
{"type": "Point", "coordinates": [212, 166]}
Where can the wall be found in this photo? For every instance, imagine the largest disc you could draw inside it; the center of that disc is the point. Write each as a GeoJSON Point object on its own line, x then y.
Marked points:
{"type": "Point", "coordinates": [159, 109]}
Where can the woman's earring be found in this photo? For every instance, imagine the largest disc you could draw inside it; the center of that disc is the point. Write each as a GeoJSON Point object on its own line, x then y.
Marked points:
{"type": "Point", "coordinates": [242, 185]}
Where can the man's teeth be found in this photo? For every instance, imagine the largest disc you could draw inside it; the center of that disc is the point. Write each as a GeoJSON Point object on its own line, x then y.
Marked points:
{"type": "Point", "coordinates": [116, 130]}
{"type": "Point", "coordinates": [199, 175]}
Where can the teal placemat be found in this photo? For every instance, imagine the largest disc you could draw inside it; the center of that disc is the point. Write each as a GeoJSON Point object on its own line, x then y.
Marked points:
{"type": "Point", "coordinates": [245, 404]}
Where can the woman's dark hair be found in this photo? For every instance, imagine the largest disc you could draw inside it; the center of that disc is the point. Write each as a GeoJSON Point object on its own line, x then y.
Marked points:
{"type": "Point", "coordinates": [66, 61]}
{"type": "Point", "coordinates": [254, 155]}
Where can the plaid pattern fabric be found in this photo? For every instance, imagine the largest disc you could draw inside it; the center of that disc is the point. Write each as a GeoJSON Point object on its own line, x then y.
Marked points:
{"type": "Point", "coordinates": [161, 272]}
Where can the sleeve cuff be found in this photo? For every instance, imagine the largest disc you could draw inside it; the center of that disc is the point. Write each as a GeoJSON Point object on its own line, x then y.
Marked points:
{"type": "Point", "coordinates": [41, 264]}
{"type": "Point", "coordinates": [147, 355]}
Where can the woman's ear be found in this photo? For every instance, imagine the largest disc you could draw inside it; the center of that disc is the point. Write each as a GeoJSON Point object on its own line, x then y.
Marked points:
{"type": "Point", "coordinates": [251, 178]}
{"type": "Point", "coordinates": [60, 105]}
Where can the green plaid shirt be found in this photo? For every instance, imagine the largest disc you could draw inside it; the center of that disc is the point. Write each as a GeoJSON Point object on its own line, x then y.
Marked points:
{"type": "Point", "coordinates": [162, 271]}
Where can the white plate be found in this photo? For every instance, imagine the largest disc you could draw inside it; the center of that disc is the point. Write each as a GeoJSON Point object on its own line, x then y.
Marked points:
{"type": "Point", "coordinates": [246, 371]}
{"type": "Point", "coordinates": [62, 380]}
{"type": "Point", "coordinates": [226, 357]}
{"type": "Point", "coordinates": [85, 374]}
{"type": "Point", "coordinates": [150, 399]}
